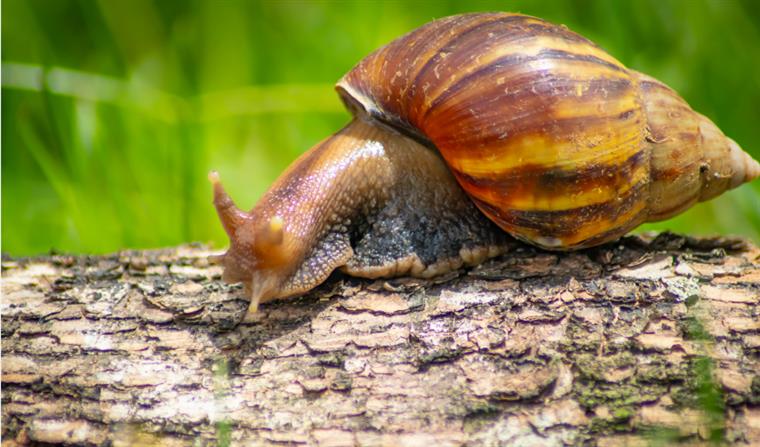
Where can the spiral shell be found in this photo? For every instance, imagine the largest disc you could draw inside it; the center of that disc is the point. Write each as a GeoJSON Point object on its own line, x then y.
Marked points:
{"type": "Point", "coordinates": [552, 138]}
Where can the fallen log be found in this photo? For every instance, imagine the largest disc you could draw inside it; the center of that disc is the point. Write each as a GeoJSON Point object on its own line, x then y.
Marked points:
{"type": "Point", "coordinates": [645, 340]}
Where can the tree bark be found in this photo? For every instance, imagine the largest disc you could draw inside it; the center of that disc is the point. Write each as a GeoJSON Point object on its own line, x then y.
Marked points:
{"type": "Point", "coordinates": [641, 341]}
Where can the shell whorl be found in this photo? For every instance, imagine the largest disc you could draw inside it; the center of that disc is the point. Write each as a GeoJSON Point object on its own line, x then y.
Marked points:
{"type": "Point", "coordinates": [553, 139]}
{"type": "Point", "coordinates": [692, 161]}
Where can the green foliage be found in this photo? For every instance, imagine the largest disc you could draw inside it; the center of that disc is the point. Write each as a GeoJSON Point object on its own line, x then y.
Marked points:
{"type": "Point", "coordinates": [115, 110]}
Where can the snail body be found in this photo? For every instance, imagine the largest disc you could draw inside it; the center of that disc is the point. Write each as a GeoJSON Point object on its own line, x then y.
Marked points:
{"type": "Point", "coordinates": [467, 130]}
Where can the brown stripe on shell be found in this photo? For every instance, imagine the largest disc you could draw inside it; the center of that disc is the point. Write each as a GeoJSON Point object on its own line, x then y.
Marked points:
{"type": "Point", "coordinates": [682, 161]}
{"type": "Point", "coordinates": [492, 42]}
{"type": "Point", "coordinates": [406, 57]}
{"type": "Point", "coordinates": [444, 48]}
{"type": "Point", "coordinates": [648, 84]}
{"type": "Point", "coordinates": [524, 82]}
{"type": "Point", "coordinates": [550, 149]}
{"type": "Point", "coordinates": [516, 59]}
{"type": "Point", "coordinates": [573, 228]}
{"type": "Point", "coordinates": [613, 233]}
{"type": "Point", "coordinates": [465, 50]}
{"type": "Point", "coordinates": [378, 84]}
{"type": "Point", "coordinates": [543, 184]}
{"type": "Point", "coordinates": [391, 69]}
{"type": "Point", "coordinates": [525, 110]}
{"type": "Point", "coordinates": [489, 127]}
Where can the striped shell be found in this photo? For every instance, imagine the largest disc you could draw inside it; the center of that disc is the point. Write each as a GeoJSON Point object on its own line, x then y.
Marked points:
{"type": "Point", "coordinates": [553, 139]}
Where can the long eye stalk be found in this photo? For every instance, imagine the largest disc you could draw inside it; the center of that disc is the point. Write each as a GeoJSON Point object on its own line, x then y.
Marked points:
{"type": "Point", "coordinates": [231, 216]}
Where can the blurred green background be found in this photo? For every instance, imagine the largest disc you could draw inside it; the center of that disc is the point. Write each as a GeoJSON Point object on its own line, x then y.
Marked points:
{"type": "Point", "coordinates": [114, 111]}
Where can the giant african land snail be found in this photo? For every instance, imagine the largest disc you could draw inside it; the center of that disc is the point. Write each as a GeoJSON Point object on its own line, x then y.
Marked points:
{"type": "Point", "coordinates": [555, 141]}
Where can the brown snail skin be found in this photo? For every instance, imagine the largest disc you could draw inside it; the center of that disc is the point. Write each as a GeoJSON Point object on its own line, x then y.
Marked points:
{"type": "Point", "coordinates": [466, 131]}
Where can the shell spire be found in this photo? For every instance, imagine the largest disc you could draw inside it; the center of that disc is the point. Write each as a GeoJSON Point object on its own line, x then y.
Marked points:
{"type": "Point", "coordinates": [691, 159]}
{"type": "Point", "coordinates": [745, 167]}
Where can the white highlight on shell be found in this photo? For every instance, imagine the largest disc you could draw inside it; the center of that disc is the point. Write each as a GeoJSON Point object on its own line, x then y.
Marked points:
{"type": "Point", "coordinates": [549, 242]}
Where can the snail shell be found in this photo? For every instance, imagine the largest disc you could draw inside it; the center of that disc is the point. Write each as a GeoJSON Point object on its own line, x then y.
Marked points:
{"type": "Point", "coordinates": [554, 140]}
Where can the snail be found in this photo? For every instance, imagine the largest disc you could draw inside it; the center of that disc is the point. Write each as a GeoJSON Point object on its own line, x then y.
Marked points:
{"type": "Point", "coordinates": [468, 131]}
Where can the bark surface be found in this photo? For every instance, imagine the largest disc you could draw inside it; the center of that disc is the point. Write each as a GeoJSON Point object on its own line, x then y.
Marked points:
{"type": "Point", "coordinates": [639, 342]}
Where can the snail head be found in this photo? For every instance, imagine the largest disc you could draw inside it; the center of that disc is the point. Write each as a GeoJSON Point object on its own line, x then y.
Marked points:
{"type": "Point", "coordinates": [257, 253]}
